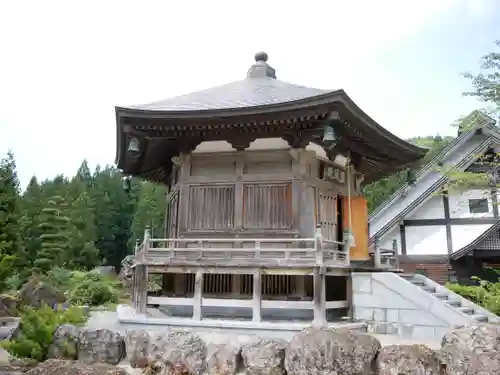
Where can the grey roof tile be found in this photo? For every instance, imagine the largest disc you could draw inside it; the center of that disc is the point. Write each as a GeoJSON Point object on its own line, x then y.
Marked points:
{"type": "Point", "coordinates": [259, 88]}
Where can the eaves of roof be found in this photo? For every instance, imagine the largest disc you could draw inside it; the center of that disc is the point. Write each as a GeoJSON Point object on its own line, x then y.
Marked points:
{"type": "Point", "coordinates": [433, 188]}
{"type": "Point", "coordinates": [490, 124]}
{"type": "Point", "coordinates": [471, 246]}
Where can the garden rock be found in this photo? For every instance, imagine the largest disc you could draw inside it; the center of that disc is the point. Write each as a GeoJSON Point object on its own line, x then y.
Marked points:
{"type": "Point", "coordinates": [36, 292]}
{"type": "Point", "coordinates": [264, 357]}
{"type": "Point", "coordinates": [126, 270]}
{"type": "Point", "coordinates": [139, 347]}
{"type": "Point", "coordinates": [472, 350]}
{"type": "Point", "coordinates": [8, 305]}
{"type": "Point", "coordinates": [408, 360]}
{"type": "Point", "coordinates": [9, 327]}
{"type": "Point", "coordinates": [225, 360]}
{"type": "Point", "coordinates": [65, 343]}
{"type": "Point", "coordinates": [100, 345]}
{"type": "Point", "coordinates": [62, 367]}
{"type": "Point", "coordinates": [317, 351]}
{"type": "Point", "coordinates": [184, 353]}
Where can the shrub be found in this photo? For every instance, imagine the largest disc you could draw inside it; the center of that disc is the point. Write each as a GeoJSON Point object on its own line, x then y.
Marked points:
{"type": "Point", "coordinates": [485, 293]}
{"type": "Point", "coordinates": [86, 288]}
{"type": "Point", "coordinates": [37, 329]}
{"type": "Point", "coordinates": [94, 289]}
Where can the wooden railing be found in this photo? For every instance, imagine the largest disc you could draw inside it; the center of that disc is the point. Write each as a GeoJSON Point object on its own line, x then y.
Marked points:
{"type": "Point", "coordinates": [384, 258]}
{"type": "Point", "coordinates": [241, 252]}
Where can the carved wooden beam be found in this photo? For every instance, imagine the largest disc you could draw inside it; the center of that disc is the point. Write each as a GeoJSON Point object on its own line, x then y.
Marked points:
{"type": "Point", "coordinates": [241, 144]}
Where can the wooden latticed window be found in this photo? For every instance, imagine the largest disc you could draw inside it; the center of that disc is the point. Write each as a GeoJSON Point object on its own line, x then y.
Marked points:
{"type": "Point", "coordinates": [327, 214]}
{"type": "Point", "coordinates": [211, 207]}
{"type": "Point", "coordinates": [267, 206]}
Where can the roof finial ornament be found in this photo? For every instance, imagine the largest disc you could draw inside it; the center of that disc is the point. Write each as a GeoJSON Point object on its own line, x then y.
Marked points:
{"type": "Point", "coordinates": [261, 56]}
{"type": "Point", "coordinates": [261, 69]}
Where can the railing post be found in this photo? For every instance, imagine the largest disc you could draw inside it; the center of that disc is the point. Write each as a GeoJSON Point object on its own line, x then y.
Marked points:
{"type": "Point", "coordinates": [135, 278]}
{"type": "Point", "coordinates": [257, 297]}
{"type": "Point", "coordinates": [376, 254]}
{"type": "Point", "coordinates": [319, 247]}
{"type": "Point", "coordinates": [396, 253]}
{"type": "Point", "coordinates": [198, 291]}
{"type": "Point", "coordinates": [319, 300]}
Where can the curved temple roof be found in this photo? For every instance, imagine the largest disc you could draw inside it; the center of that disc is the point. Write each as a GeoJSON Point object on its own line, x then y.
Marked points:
{"type": "Point", "coordinates": [259, 99]}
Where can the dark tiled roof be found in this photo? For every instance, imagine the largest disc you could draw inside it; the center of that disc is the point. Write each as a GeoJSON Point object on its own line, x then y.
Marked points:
{"type": "Point", "coordinates": [259, 88]}
{"type": "Point", "coordinates": [245, 93]}
{"type": "Point", "coordinates": [489, 235]}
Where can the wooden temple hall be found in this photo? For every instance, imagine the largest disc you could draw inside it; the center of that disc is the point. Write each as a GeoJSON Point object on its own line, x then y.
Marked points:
{"type": "Point", "coordinates": [266, 217]}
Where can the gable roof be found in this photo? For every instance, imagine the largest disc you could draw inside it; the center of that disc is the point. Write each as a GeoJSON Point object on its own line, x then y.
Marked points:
{"type": "Point", "coordinates": [479, 121]}
{"type": "Point", "coordinates": [486, 235]}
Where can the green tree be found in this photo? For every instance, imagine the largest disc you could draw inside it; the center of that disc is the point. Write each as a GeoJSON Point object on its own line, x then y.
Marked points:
{"type": "Point", "coordinates": [378, 191]}
{"type": "Point", "coordinates": [11, 250]}
{"type": "Point", "coordinates": [486, 84]}
{"type": "Point", "coordinates": [150, 211]}
{"type": "Point", "coordinates": [84, 253]}
{"type": "Point", "coordinates": [56, 230]}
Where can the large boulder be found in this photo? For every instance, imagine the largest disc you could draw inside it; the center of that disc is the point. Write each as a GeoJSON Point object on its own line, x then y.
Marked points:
{"type": "Point", "coordinates": [126, 270]}
{"type": "Point", "coordinates": [8, 305]}
{"type": "Point", "coordinates": [174, 351]}
{"type": "Point", "coordinates": [264, 357]}
{"type": "Point", "coordinates": [321, 351]}
{"type": "Point", "coordinates": [408, 360]}
{"type": "Point", "coordinates": [36, 292]}
{"type": "Point", "coordinates": [141, 346]}
{"type": "Point", "coordinates": [65, 342]}
{"type": "Point", "coordinates": [100, 345]}
{"type": "Point", "coordinates": [62, 367]}
{"type": "Point", "coordinates": [472, 350]}
{"type": "Point", "coordinates": [184, 353]}
{"type": "Point", "coordinates": [225, 359]}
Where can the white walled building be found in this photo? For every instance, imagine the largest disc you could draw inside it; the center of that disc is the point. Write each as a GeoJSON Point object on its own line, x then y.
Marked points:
{"type": "Point", "coordinates": [454, 235]}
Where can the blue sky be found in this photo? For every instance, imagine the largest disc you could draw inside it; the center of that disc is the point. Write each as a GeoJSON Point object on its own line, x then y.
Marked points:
{"type": "Point", "coordinates": [65, 65]}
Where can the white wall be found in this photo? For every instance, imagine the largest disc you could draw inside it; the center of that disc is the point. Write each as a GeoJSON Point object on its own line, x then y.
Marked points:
{"type": "Point", "coordinates": [459, 204]}
{"type": "Point", "coordinates": [463, 235]}
{"type": "Point", "coordinates": [432, 208]}
{"type": "Point", "coordinates": [426, 240]}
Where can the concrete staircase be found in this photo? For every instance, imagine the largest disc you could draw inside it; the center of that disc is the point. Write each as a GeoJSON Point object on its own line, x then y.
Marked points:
{"type": "Point", "coordinates": [462, 305]}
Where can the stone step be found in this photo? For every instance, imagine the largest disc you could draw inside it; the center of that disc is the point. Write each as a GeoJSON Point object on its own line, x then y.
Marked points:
{"type": "Point", "coordinates": [467, 310]}
{"type": "Point", "coordinates": [428, 289]}
{"type": "Point", "coordinates": [417, 282]}
{"type": "Point", "coordinates": [454, 302]}
{"type": "Point", "coordinates": [480, 317]}
{"type": "Point", "coordinates": [440, 295]}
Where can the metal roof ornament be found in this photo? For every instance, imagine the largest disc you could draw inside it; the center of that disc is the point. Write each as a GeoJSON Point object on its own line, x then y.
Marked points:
{"type": "Point", "coordinates": [134, 146]}
{"type": "Point", "coordinates": [261, 69]}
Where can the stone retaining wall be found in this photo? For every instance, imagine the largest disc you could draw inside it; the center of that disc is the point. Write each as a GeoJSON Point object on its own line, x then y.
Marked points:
{"type": "Point", "coordinates": [314, 351]}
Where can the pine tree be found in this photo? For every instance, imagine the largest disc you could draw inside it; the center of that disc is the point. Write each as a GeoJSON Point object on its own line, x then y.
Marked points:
{"type": "Point", "coordinates": [56, 230]}
{"type": "Point", "coordinates": [85, 254]}
{"type": "Point", "coordinates": [10, 241]}
{"type": "Point", "coordinates": [150, 211]}
{"type": "Point", "coordinates": [31, 205]}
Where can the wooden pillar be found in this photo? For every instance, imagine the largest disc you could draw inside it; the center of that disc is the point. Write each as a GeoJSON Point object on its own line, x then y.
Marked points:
{"type": "Point", "coordinates": [143, 274]}
{"type": "Point", "coordinates": [376, 254]}
{"type": "Point", "coordinates": [236, 285]}
{"type": "Point", "coordinates": [134, 288]}
{"type": "Point", "coordinates": [198, 291]}
{"type": "Point", "coordinates": [301, 286]}
{"type": "Point", "coordinates": [257, 297]}
{"type": "Point", "coordinates": [319, 298]}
